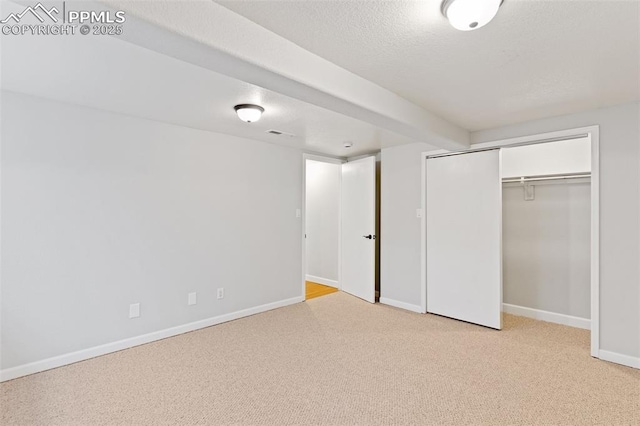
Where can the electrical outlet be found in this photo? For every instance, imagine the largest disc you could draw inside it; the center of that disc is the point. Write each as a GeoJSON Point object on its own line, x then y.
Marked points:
{"type": "Point", "coordinates": [134, 310]}
{"type": "Point", "coordinates": [191, 299]}
{"type": "Point", "coordinates": [221, 293]}
{"type": "Point", "coordinates": [418, 213]}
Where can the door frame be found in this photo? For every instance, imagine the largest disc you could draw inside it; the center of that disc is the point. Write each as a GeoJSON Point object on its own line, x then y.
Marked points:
{"type": "Point", "coordinates": [593, 132]}
{"type": "Point", "coordinates": [303, 216]}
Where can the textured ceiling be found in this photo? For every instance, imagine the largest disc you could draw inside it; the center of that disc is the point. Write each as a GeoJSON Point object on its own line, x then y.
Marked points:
{"type": "Point", "coordinates": [536, 59]}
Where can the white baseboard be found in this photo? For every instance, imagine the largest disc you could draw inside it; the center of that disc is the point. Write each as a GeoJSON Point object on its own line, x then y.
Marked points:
{"type": "Point", "coordinates": [320, 280]}
{"type": "Point", "coordinates": [401, 305]}
{"type": "Point", "coordinates": [84, 354]}
{"type": "Point", "coordinates": [627, 360]}
{"type": "Point", "coordinates": [547, 316]}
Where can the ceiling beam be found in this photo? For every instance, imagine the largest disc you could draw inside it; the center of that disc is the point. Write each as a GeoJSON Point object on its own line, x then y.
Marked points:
{"type": "Point", "coordinates": [208, 35]}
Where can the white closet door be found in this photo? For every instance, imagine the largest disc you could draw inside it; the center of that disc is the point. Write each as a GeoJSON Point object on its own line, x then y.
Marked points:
{"type": "Point", "coordinates": [358, 211]}
{"type": "Point", "coordinates": [464, 237]}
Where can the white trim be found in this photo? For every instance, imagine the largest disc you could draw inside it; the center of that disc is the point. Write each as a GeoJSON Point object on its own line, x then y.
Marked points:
{"type": "Point", "coordinates": [324, 281]}
{"type": "Point", "coordinates": [629, 361]}
{"type": "Point", "coordinates": [401, 305]}
{"type": "Point", "coordinates": [501, 236]}
{"type": "Point", "coordinates": [594, 135]}
{"type": "Point", "coordinates": [323, 159]}
{"type": "Point", "coordinates": [547, 316]}
{"type": "Point", "coordinates": [555, 136]}
{"type": "Point", "coordinates": [423, 236]}
{"type": "Point", "coordinates": [593, 132]}
{"type": "Point", "coordinates": [84, 354]}
{"type": "Point", "coordinates": [339, 286]}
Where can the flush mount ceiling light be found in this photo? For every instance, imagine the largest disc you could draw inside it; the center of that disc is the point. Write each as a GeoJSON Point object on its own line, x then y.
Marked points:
{"type": "Point", "coordinates": [249, 112]}
{"type": "Point", "coordinates": [467, 15]}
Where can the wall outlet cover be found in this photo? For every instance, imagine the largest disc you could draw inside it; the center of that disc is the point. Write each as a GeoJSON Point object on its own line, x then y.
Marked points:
{"type": "Point", "coordinates": [134, 310]}
{"type": "Point", "coordinates": [191, 299]}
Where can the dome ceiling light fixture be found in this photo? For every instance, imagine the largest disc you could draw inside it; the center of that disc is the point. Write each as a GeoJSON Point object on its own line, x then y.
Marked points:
{"type": "Point", "coordinates": [467, 15]}
{"type": "Point", "coordinates": [249, 112]}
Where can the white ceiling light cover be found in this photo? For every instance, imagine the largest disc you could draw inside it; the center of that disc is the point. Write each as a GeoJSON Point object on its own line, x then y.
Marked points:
{"type": "Point", "coordinates": [467, 15]}
{"type": "Point", "coordinates": [248, 112]}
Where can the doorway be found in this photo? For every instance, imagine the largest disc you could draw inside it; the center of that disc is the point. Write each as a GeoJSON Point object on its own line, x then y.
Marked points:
{"type": "Point", "coordinates": [340, 222]}
{"type": "Point", "coordinates": [322, 227]}
{"type": "Point", "coordinates": [569, 188]}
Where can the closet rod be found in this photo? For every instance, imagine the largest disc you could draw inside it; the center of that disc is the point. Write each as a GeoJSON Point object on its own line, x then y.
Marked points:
{"type": "Point", "coordinates": [546, 177]}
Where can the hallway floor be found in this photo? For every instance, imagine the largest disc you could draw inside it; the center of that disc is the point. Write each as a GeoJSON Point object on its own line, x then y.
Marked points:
{"type": "Point", "coordinates": [316, 290]}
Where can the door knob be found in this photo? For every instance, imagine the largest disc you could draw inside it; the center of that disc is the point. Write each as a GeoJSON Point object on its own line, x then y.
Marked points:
{"type": "Point", "coordinates": [369, 237]}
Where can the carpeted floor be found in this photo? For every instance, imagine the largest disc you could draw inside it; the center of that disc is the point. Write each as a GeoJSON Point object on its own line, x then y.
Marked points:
{"type": "Point", "coordinates": [337, 360]}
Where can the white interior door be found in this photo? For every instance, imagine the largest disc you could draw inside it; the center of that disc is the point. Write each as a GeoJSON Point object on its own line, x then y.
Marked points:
{"type": "Point", "coordinates": [358, 210]}
{"type": "Point", "coordinates": [464, 237]}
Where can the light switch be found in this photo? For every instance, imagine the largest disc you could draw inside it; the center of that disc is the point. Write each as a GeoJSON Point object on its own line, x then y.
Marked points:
{"type": "Point", "coordinates": [298, 213]}
{"type": "Point", "coordinates": [191, 299]}
{"type": "Point", "coordinates": [418, 213]}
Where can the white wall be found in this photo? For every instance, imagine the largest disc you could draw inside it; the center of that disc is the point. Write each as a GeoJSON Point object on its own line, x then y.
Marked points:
{"type": "Point", "coordinates": [619, 213]}
{"type": "Point", "coordinates": [399, 225]}
{"type": "Point", "coordinates": [101, 210]}
{"type": "Point", "coordinates": [322, 221]}
{"type": "Point", "coordinates": [546, 248]}
{"type": "Point", "coordinates": [571, 156]}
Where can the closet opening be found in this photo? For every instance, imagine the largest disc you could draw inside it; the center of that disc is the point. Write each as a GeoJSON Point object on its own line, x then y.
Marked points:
{"type": "Point", "coordinates": [546, 231]}
{"type": "Point", "coordinates": [512, 227]}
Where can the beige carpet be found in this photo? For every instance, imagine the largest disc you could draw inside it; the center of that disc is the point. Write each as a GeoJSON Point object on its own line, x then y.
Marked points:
{"type": "Point", "coordinates": [336, 360]}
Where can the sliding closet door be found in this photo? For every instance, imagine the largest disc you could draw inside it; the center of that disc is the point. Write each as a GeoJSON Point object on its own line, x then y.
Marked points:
{"type": "Point", "coordinates": [464, 237]}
